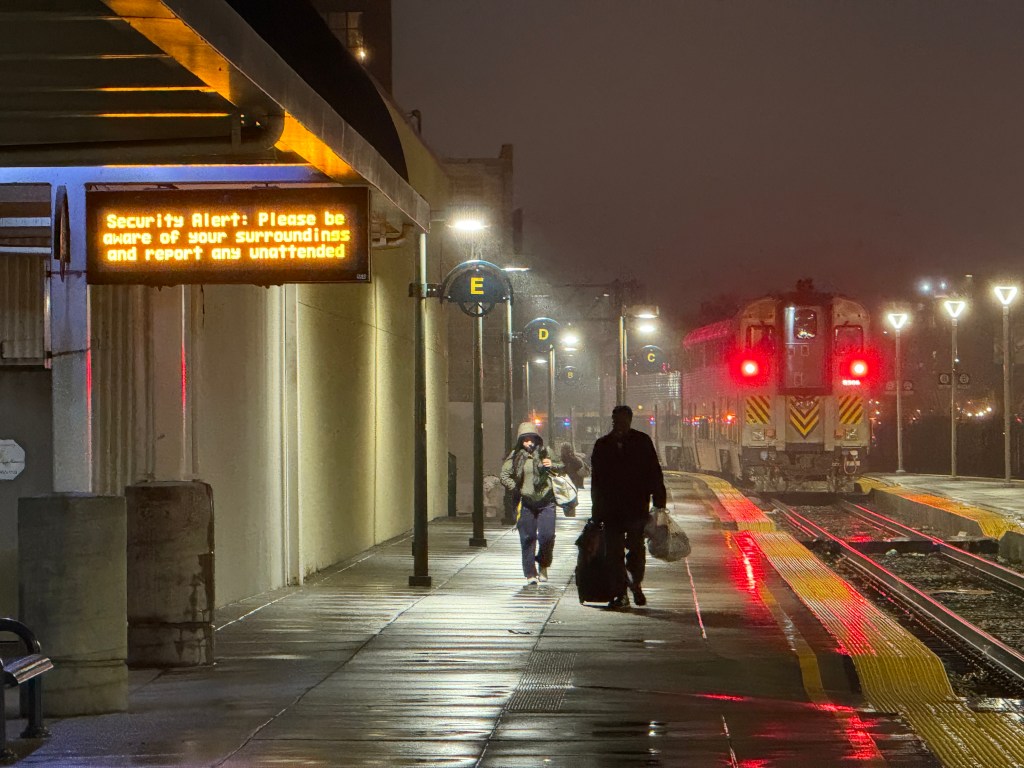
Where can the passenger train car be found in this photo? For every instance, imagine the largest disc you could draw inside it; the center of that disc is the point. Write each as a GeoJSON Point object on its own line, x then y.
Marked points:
{"type": "Point", "coordinates": [776, 396]}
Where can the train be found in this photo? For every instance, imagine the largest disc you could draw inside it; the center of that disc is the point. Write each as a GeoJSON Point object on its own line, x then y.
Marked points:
{"type": "Point", "coordinates": [776, 397]}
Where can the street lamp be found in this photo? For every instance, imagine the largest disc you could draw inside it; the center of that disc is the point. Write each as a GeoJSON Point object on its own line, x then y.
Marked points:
{"type": "Point", "coordinates": [639, 312]}
{"type": "Point", "coordinates": [1006, 295]}
{"type": "Point", "coordinates": [897, 320]}
{"type": "Point", "coordinates": [954, 308]}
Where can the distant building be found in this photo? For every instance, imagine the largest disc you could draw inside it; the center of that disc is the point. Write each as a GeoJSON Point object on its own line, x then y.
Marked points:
{"type": "Point", "coordinates": [364, 26]}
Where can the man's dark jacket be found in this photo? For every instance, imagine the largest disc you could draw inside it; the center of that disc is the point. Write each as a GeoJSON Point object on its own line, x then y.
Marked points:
{"type": "Point", "coordinates": [624, 476]}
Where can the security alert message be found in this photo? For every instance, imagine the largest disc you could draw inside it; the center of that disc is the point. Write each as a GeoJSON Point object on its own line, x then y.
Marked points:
{"type": "Point", "coordinates": [260, 236]}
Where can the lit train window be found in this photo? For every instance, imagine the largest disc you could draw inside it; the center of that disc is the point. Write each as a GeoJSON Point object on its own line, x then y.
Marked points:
{"type": "Point", "coordinates": [805, 324]}
{"type": "Point", "coordinates": [849, 339]}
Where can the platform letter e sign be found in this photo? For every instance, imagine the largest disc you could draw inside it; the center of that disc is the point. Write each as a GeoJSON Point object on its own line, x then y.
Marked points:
{"type": "Point", "coordinates": [476, 286]}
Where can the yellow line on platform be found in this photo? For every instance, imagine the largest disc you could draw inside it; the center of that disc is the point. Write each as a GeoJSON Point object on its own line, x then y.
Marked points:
{"type": "Point", "coordinates": [898, 673]}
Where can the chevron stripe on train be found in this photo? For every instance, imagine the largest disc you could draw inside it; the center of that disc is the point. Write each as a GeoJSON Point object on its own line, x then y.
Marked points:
{"type": "Point", "coordinates": [804, 415]}
{"type": "Point", "coordinates": [851, 409]}
{"type": "Point", "coordinates": [759, 409]}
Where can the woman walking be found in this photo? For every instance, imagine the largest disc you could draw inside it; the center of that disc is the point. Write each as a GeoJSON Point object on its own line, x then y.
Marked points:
{"type": "Point", "coordinates": [527, 473]}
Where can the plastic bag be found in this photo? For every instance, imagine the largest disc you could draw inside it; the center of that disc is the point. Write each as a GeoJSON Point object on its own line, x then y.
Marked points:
{"type": "Point", "coordinates": [665, 539]}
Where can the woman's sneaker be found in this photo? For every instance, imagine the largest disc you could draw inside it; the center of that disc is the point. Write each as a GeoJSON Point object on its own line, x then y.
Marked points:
{"type": "Point", "coordinates": [543, 574]}
{"type": "Point", "coordinates": [531, 581]}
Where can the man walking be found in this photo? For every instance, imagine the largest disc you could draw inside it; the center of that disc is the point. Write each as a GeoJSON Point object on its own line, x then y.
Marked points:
{"type": "Point", "coordinates": [626, 474]}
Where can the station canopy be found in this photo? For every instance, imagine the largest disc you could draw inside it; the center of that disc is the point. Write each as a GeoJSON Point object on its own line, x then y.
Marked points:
{"type": "Point", "coordinates": [96, 82]}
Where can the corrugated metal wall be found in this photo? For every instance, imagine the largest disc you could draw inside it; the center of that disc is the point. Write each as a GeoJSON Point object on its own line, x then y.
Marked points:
{"type": "Point", "coordinates": [120, 399]}
{"type": "Point", "coordinates": [25, 228]}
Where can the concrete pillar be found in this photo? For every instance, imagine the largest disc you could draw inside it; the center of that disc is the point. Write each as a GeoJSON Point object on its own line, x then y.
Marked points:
{"type": "Point", "coordinates": [71, 584]}
{"type": "Point", "coordinates": [170, 574]}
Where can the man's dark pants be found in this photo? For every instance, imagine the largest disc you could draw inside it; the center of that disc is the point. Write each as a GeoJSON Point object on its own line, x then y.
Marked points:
{"type": "Point", "coordinates": [625, 542]}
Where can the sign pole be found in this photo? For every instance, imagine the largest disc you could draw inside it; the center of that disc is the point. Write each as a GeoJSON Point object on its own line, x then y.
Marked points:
{"type": "Point", "coordinates": [478, 539]}
{"type": "Point", "coordinates": [551, 397]}
{"type": "Point", "coordinates": [899, 407]}
{"type": "Point", "coordinates": [952, 407]}
{"type": "Point", "coordinates": [1006, 392]}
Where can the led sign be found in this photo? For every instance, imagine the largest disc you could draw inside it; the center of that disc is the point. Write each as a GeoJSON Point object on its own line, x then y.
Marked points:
{"type": "Point", "coordinates": [264, 236]}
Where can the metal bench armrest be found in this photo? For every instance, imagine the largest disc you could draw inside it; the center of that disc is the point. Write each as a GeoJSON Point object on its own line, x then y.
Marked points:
{"type": "Point", "coordinates": [21, 670]}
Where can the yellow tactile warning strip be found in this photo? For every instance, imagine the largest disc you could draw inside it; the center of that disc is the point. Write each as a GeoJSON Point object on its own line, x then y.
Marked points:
{"type": "Point", "coordinates": [898, 673]}
{"type": "Point", "coordinates": [992, 524]}
{"type": "Point", "coordinates": [759, 409]}
{"type": "Point", "coordinates": [851, 409]}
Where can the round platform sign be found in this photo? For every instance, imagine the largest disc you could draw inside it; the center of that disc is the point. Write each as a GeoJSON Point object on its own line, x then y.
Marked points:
{"type": "Point", "coordinates": [540, 334]}
{"type": "Point", "coordinates": [12, 459]}
{"type": "Point", "coordinates": [652, 359]}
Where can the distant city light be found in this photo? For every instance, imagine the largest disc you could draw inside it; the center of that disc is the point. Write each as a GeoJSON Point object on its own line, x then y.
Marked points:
{"type": "Point", "coordinates": [926, 287]}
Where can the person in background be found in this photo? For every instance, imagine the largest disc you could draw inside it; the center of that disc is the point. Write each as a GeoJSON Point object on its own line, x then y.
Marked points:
{"type": "Point", "coordinates": [574, 468]}
{"type": "Point", "coordinates": [625, 476]}
{"type": "Point", "coordinates": [526, 472]}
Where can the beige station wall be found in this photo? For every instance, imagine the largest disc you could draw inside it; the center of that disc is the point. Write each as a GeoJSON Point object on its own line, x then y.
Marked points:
{"type": "Point", "coordinates": [239, 437]}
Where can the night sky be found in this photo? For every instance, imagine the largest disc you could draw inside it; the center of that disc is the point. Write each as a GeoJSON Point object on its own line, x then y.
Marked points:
{"type": "Point", "coordinates": [711, 147]}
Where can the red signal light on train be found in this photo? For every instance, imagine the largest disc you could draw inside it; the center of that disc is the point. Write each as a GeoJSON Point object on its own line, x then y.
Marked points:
{"type": "Point", "coordinates": [859, 369]}
{"type": "Point", "coordinates": [750, 368]}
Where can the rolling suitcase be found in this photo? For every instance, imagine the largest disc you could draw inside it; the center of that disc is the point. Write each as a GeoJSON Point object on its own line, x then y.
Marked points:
{"type": "Point", "coordinates": [594, 578]}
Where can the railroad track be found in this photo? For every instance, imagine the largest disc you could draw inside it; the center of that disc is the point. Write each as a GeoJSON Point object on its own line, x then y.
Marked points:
{"type": "Point", "coordinates": [973, 601]}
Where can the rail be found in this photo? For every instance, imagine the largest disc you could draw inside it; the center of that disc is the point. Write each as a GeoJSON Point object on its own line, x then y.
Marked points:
{"type": "Point", "coordinates": [989, 647]}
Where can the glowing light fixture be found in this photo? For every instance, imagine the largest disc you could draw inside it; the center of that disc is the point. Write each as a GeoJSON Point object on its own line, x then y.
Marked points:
{"type": "Point", "coordinates": [1006, 294]}
{"type": "Point", "coordinates": [570, 340]}
{"type": "Point", "coordinates": [469, 225]}
{"type": "Point", "coordinates": [954, 307]}
{"type": "Point", "coordinates": [897, 319]}
{"type": "Point", "coordinates": [647, 328]}
{"type": "Point", "coordinates": [750, 368]}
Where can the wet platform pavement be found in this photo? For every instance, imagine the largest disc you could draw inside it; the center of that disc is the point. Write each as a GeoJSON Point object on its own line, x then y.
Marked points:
{"type": "Point", "coordinates": [723, 667]}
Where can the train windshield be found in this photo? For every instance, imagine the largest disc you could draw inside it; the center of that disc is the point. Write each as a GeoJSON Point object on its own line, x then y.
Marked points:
{"type": "Point", "coordinates": [805, 324]}
{"type": "Point", "coordinates": [849, 340]}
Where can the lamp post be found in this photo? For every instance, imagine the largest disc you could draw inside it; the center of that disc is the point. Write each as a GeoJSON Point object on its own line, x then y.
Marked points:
{"type": "Point", "coordinates": [954, 308]}
{"type": "Point", "coordinates": [897, 320]}
{"type": "Point", "coordinates": [1006, 295]}
{"type": "Point", "coordinates": [640, 312]}
{"type": "Point", "coordinates": [421, 574]}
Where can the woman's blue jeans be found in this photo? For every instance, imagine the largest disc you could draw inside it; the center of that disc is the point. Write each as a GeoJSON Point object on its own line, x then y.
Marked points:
{"type": "Point", "coordinates": [536, 527]}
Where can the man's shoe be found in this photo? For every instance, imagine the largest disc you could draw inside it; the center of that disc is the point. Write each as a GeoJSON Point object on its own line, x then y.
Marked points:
{"type": "Point", "coordinates": [531, 581]}
{"type": "Point", "coordinates": [638, 595]}
{"type": "Point", "coordinates": [619, 602]}
{"type": "Point", "coordinates": [543, 574]}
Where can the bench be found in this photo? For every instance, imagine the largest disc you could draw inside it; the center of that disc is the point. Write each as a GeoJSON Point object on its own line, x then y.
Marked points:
{"type": "Point", "coordinates": [25, 672]}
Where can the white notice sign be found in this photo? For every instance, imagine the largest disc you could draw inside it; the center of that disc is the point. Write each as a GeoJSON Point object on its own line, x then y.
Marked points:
{"type": "Point", "coordinates": [12, 459]}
